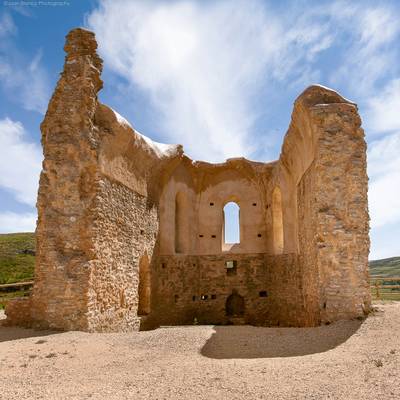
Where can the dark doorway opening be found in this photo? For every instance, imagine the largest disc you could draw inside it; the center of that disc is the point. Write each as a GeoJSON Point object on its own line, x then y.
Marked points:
{"type": "Point", "coordinates": [234, 306]}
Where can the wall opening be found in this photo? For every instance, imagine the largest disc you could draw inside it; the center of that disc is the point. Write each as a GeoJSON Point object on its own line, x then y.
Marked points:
{"type": "Point", "coordinates": [277, 221]}
{"type": "Point", "coordinates": [144, 286]}
{"type": "Point", "coordinates": [234, 306]}
{"type": "Point", "coordinates": [181, 223]}
{"type": "Point", "coordinates": [231, 267]}
{"type": "Point", "coordinates": [231, 223]}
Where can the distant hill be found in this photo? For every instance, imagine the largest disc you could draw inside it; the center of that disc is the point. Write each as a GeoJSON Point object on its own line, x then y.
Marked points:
{"type": "Point", "coordinates": [387, 267]}
{"type": "Point", "coordinates": [17, 257]}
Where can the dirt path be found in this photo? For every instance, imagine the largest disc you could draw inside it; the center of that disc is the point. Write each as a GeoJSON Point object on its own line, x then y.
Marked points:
{"type": "Point", "coordinates": [346, 360]}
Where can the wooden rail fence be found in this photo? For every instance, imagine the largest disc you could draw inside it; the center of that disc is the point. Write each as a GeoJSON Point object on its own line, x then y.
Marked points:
{"type": "Point", "coordinates": [385, 288]}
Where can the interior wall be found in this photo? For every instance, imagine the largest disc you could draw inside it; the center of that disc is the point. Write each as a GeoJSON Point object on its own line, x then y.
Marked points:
{"type": "Point", "coordinates": [205, 205]}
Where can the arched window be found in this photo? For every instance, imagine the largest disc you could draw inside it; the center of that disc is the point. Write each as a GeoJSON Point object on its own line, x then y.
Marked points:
{"type": "Point", "coordinates": [277, 221]}
{"type": "Point", "coordinates": [144, 286]}
{"type": "Point", "coordinates": [181, 223]}
{"type": "Point", "coordinates": [231, 225]}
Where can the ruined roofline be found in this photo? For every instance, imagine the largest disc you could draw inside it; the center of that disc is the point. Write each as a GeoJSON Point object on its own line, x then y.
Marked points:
{"type": "Point", "coordinates": [81, 42]}
{"type": "Point", "coordinates": [316, 94]}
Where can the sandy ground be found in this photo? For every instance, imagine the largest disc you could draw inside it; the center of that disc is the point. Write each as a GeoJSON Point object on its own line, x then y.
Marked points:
{"type": "Point", "coordinates": [345, 360]}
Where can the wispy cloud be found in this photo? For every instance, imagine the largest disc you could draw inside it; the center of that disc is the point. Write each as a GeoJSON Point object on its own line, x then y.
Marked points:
{"type": "Point", "coordinates": [383, 109]}
{"type": "Point", "coordinates": [203, 65]}
{"type": "Point", "coordinates": [23, 79]}
{"type": "Point", "coordinates": [13, 222]}
{"type": "Point", "coordinates": [384, 171]}
{"type": "Point", "coordinates": [20, 162]}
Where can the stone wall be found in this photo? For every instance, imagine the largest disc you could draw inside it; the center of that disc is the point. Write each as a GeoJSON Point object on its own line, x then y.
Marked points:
{"type": "Point", "coordinates": [126, 228]}
{"type": "Point", "coordinates": [196, 288]}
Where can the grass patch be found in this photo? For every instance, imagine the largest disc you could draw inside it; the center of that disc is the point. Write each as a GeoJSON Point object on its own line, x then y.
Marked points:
{"type": "Point", "coordinates": [17, 259]}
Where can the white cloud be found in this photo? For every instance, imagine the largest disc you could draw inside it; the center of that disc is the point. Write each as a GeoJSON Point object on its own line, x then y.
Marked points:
{"type": "Point", "coordinates": [23, 79]}
{"type": "Point", "coordinates": [12, 222]}
{"type": "Point", "coordinates": [370, 55]}
{"type": "Point", "coordinates": [204, 64]}
{"type": "Point", "coordinates": [20, 162]}
{"type": "Point", "coordinates": [384, 188]}
{"type": "Point", "coordinates": [383, 109]}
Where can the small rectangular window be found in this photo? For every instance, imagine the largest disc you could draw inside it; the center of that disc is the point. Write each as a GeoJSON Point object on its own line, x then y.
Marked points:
{"type": "Point", "coordinates": [231, 267]}
{"type": "Point", "coordinates": [263, 293]}
{"type": "Point", "coordinates": [213, 296]}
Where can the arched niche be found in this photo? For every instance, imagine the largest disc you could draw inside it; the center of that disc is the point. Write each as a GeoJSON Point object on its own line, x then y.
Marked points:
{"type": "Point", "coordinates": [144, 290]}
{"type": "Point", "coordinates": [277, 221]}
{"type": "Point", "coordinates": [181, 223]}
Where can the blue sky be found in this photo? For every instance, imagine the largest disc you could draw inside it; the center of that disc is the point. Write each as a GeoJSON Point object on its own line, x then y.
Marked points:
{"type": "Point", "coordinates": [219, 77]}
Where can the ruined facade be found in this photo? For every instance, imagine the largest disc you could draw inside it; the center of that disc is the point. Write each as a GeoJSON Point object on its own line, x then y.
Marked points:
{"type": "Point", "coordinates": [130, 232]}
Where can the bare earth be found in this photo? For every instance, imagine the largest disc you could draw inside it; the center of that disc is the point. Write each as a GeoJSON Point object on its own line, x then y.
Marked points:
{"type": "Point", "coordinates": [345, 360]}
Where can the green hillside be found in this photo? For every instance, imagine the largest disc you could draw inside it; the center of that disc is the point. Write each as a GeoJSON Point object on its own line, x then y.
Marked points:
{"type": "Point", "coordinates": [17, 259]}
{"type": "Point", "coordinates": [387, 268]}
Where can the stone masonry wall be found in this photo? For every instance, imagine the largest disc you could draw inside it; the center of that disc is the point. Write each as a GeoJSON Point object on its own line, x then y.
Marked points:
{"type": "Point", "coordinates": [67, 189]}
{"type": "Point", "coordinates": [181, 282]}
{"type": "Point", "coordinates": [125, 228]}
{"type": "Point", "coordinates": [341, 209]}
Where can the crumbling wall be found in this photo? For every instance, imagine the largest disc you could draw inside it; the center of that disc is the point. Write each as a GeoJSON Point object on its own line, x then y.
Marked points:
{"type": "Point", "coordinates": [324, 154]}
{"type": "Point", "coordinates": [68, 185]}
{"type": "Point", "coordinates": [97, 215]}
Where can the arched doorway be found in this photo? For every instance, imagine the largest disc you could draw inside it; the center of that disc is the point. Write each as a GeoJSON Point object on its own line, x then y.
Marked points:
{"type": "Point", "coordinates": [234, 305]}
{"type": "Point", "coordinates": [144, 290]}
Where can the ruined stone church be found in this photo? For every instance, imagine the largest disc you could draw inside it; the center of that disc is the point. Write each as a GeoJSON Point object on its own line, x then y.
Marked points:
{"type": "Point", "coordinates": [130, 233]}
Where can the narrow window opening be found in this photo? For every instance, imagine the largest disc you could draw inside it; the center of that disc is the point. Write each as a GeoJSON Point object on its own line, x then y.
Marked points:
{"type": "Point", "coordinates": [194, 298]}
{"type": "Point", "coordinates": [211, 204]}
{"type": "Point", "coordinates": [213, 236]}
{"type": "Point", "coordinates": [254, 204]}
{"type": "Point", "coordinates": [163, 265]}
{"type": "Point", "coordinates": [213, 296]}
{"type": "Point", "coordinates": [201, 235]}
{"type": "Point", "coordinates": [176, 298]}
{"type": "Point", "coordinates": [231, 225]}
{"type": "Point", "coordinates": [259, 235]}
{"type": "Point", "coordinates": [263, 293]}
{"type": "Point", "coordinates": [141, 231]}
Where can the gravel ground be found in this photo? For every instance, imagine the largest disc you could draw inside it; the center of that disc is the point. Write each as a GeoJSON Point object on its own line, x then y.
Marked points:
{"type": "Point", "coordinates": [345, 360]}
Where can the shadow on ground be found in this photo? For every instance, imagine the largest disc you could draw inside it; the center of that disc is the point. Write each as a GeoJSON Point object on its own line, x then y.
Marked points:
{"type": "Point", "coordinates": [258, 342]}
{"type": "Point", "coordinates": [8, 333]}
